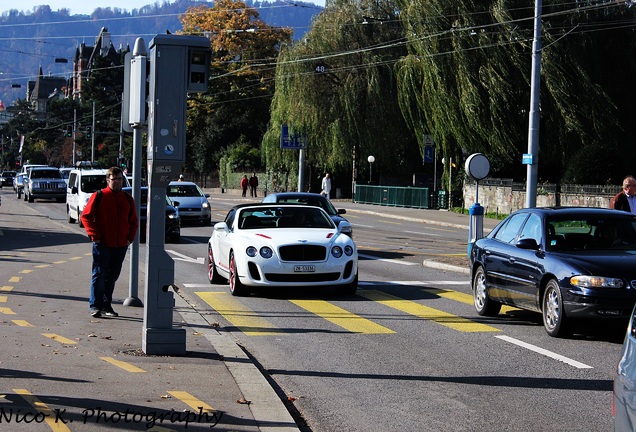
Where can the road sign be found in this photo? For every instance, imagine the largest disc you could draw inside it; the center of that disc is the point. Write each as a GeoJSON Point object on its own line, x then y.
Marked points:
{"type": "Point", "coordinates": [288, 141]}
{"type": "Point", "coordinates": [428, 154]}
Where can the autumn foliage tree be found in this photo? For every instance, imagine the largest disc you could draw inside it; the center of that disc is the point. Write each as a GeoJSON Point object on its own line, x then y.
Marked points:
{"type": "Point", "coordinates": [235, 110]}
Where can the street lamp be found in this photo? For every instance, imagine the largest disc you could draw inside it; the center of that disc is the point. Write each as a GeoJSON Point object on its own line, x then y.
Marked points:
{"type": "Point", "coordinates": [371, 159]}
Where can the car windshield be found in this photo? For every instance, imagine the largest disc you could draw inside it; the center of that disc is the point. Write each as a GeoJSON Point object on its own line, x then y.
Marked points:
{"type": "Point", "coordinates": [323, 203]}
{"type": "Point", "coordinates": [92, 183]}
{"type": "Point", "coordinates": [283, 217]}
{"type": "Point", "coordinates": [45, 174]}
{"type": "Point", "coordinates": [184, 191]}
{"type": "Point", "coordinates": [602, 233]}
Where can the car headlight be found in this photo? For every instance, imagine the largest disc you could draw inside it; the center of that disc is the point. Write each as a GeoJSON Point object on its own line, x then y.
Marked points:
{"type": "Point", "coordinates": [348, 250]}
{"type": "Point", "coordinates": [336, 251]}
{"type": "Point", "coordinates": [205, 205]}
{"type": "Point", "coordinates": [346, 229]}
{"type": "Point", "coordinates": [596, 282]}
{"type": "Point", "coordinates": [251, 251]}
{"type": "Point", "coordinates": [267, 252]}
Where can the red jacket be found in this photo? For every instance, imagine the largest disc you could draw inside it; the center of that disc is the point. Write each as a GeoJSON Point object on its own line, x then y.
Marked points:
{"type": "Point", "coordinates": [113, 220]}
{"type": "Point", "coordinates": [244, 182]}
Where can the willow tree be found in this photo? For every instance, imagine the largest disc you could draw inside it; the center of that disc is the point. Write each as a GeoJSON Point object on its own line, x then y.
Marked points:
{"type": "Point", "coordinates": [336, 88]}
{"type": "Point", "coordinates": [466, 81]}
{"type": "Point", "coordinates": [235, 110]}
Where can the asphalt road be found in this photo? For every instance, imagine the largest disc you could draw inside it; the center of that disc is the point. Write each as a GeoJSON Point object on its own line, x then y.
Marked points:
{"type": "Point", "coordinates": [407, 352]}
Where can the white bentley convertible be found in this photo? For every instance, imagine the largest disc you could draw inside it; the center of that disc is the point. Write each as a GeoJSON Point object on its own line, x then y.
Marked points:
{"type": "Point", "coordinates": [260, 245]}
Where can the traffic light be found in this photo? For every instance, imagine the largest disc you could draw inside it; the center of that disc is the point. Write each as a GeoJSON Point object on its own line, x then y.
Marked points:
{"type": "Point", "coordinates": [88, 132]}
{"type": "Point", "coordinates": [69, 131]}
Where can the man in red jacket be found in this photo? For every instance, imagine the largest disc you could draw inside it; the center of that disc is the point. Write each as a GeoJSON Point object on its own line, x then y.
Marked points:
{"type": "Point", "coordinates": [110, 220]}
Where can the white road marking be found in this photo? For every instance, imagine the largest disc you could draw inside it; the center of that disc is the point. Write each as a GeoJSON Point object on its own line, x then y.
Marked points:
{"type": "Point", "coordinates": [410, 283]}
{"type": "Point", "coordinates": [545, 352]}
{"type": "Point", "coordinates": [181, 257]}
{"type": "Point", "coordinates": [371, 257]}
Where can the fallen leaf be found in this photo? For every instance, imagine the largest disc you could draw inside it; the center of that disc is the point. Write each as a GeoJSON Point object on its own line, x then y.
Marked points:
{"type": "Point", "coordinates": [243, 401]}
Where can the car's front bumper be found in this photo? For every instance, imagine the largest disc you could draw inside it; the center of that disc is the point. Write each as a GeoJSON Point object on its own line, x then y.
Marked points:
{"type": "Point", "coordinates": [333, 272]}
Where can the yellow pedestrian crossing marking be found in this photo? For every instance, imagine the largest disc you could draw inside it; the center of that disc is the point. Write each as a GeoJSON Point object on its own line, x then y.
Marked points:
{"type": "Point", "coordinates": [243, 318]}
{"type": "Point", "coordinates": [413, 308]}
{"type": "Point", "coordinates": [3, 299]}
{"type": "Point", "coordinates": [47, 414]}
{"type": "Point", "coordinates": [14, 279]}
{"type": "Point", "coordinates": [463, 298]}
{"type": "Point", "coordinates": [6, 288]}
{"type": "Point", "coordinates": [191, 401]}
{"type": "Point", "coordinates": [341, 317]}
{"type": "Point", "coordinates": [122, 364]}
{"type": "Point", "coordinates": [6, 311]}
{"type": "Point", "coordinates": [41, 266]}
{"type": "Point", "coordinates": [22, 323]}
{"type": "Point", "coordinates": [59, 338]}
{"type": "Point", "coordinates": [26, 271]}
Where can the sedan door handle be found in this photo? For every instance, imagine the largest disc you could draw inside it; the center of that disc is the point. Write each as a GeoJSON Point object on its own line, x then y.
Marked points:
{"type": "Point", "coordinates": [511, 260]}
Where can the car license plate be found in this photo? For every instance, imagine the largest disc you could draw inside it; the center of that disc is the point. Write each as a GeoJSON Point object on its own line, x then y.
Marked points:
{"type": "Point", "coordinates": [305, 268]}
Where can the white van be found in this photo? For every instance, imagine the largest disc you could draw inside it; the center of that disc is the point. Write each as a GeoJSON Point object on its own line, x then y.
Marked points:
{"type": "Point", "coordinates": [81, 185]}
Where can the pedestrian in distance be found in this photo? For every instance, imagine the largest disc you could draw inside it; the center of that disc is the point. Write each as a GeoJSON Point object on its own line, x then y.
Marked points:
{"type": "Point", "coordinates": [253, 185]}
{"type": "Point", "coordinates": [111, 222]}
{"type": "Point", "coordinates": [326, 186]}
{"type": "Point", "coordinates": [626, 199]}
{"type": "Point", "coordinates": [244, 184]}
{"type": "Point", "coordinates": [181, 178]}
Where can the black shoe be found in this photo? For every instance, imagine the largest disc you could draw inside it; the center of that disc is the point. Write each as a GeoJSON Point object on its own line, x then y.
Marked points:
{"type": "Point", "coordinates": [110, 313]}
{"type": "Point", "coordinates": [96, 313]}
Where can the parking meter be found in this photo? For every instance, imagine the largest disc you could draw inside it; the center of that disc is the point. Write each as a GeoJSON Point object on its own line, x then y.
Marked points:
{"type": "Point", "coordinates": [178, 65]}
{"type": "Point", "coordinates": [477, 167]}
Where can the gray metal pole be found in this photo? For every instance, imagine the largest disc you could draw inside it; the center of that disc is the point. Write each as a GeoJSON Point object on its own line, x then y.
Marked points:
{"type": "Point", "coordinates": [93, 135]}
{"type": "Point", "coordinates": [301, 169]}
{"type": "Point", "coordinates": [533, 131]}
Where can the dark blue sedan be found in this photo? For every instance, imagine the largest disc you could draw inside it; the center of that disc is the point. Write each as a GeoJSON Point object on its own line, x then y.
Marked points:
{"type": "Point", "coordinates": [566, 263]}
{"type": "Point", "coordinates": [312, 199]}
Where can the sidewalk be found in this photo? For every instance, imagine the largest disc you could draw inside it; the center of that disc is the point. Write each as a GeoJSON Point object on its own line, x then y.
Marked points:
{"type": "Point", "coordinates": [62, 370]}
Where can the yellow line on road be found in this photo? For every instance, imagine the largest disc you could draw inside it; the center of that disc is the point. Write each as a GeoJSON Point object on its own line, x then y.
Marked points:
{"type": "Point", "coordinates": [15, 279]}
{"type": "Point", "coordinates": [59, 338]}
{"type": "Point", "coordinates": [341, 317]}
{"type": "Point", "coordinates": [7, 311]}
{"type": "Point", "coordinates": [41, 266]}
{"type": "Point", "coordinates": [47, 414]}
{"type": "Point", "coordinates": [3, 299]}
{"type": "Point", "coordinates": [413, 308]}
{"type": "Point", "coordinates": [60, 262]}
{"type": "Point", "coordinates": [191, 401]}
{"type": "Point", "coordinates": [22, 323]}
{"type": "Point", "coordinates": [245, 319]}
{"type": "Point", "coordinates": [122, 364]}
{"type": "Point", "coordinates": [26, 271]}
{"type": "Point", "coordinates": [462, 298]}
{"type": "Point", "coordinates": [75, 258]}
{"type": "Point", "coordinates": [6, 288]}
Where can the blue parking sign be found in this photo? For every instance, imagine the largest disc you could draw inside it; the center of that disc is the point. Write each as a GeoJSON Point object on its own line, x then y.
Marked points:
{"type": "Point", "coordinates": [428, 154]}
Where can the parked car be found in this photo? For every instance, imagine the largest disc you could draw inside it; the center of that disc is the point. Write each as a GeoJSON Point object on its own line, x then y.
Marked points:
{"type": "Point", "coordinates": [6, 178]}
{"type": "Point", "coordinates": [624, 397]}
{"type": "Point", "coordinates": [44, 183]}
{"type": "Point", "coordinates": [173, 221]}
{"type": "Point", "coordinates": [18, 184]}
{"type": "Point", "coordinates": [312, 199]}
{"type": "Point", "coordinates": [193, 203]}
{"type": "Point", "coordinates": [65, 172]}
{"type": "Point", "coordinates": [264, 245]}
{"type": "Point", "coordinates": [566, 263]}
{"type": "Point", "coordinates": [81, 185]}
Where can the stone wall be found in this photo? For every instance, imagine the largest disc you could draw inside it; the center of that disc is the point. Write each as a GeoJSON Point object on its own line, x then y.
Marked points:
{"type": "Point", "coordinates": [505, 200]}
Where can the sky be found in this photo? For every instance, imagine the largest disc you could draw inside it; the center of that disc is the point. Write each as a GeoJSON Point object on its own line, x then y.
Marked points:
{"type": "Point", "coordinates": [83, 7]}
{"type": "Point", "coordinates": [86, 7]}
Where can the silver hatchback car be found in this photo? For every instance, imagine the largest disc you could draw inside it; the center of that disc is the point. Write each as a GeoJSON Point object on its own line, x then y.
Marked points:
{"type": "Point", "coordinates": [193, 203]}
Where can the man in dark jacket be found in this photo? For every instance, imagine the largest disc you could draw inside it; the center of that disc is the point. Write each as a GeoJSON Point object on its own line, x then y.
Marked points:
{"type": "Point", "coordinates": [626, 199]}
{"type": "Point", "coordinates": [110, 220]}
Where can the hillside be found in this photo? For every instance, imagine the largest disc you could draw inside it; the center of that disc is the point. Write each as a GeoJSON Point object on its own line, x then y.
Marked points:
{"type": "Point", "coordinates": [31, 40]}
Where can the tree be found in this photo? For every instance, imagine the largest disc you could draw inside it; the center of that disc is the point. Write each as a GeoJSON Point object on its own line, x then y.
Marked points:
{"type": "Point", "coordinates": [236, 107]}
{"type": "Point", "coordinates": [338, 89]}
{"type": "Point", "coordinates": [466, 81]}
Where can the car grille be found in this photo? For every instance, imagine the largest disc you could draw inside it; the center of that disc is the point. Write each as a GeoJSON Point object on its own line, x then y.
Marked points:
{"type": "Point", "coordinates": [48, 186]}
{"type": "Point", "coordinates": [302, 277]}
{"type": "Point", "coordinates": [189, 209]}
{"type": "Point", "coordinates": [303, 253]}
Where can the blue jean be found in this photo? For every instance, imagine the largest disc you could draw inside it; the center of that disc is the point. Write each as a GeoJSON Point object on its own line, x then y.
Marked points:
{"type": "Point", "coordinates": [107, 262]}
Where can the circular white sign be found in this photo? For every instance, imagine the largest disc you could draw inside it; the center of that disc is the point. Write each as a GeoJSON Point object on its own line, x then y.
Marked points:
{"type": "Point", "coordinates": [477, 166]}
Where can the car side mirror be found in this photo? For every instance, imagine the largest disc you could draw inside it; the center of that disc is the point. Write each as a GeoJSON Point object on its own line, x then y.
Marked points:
{"type": "Point", "coordinates": [220, 226]}
{"type": "Point", "coordinates": [74, 190]}
{"type": "Point", "coordinates": [175, 203]}
{"type": "Point", "coordinates": [342, 211]}
{"type": "Point", "coordinates": [528, 243]}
